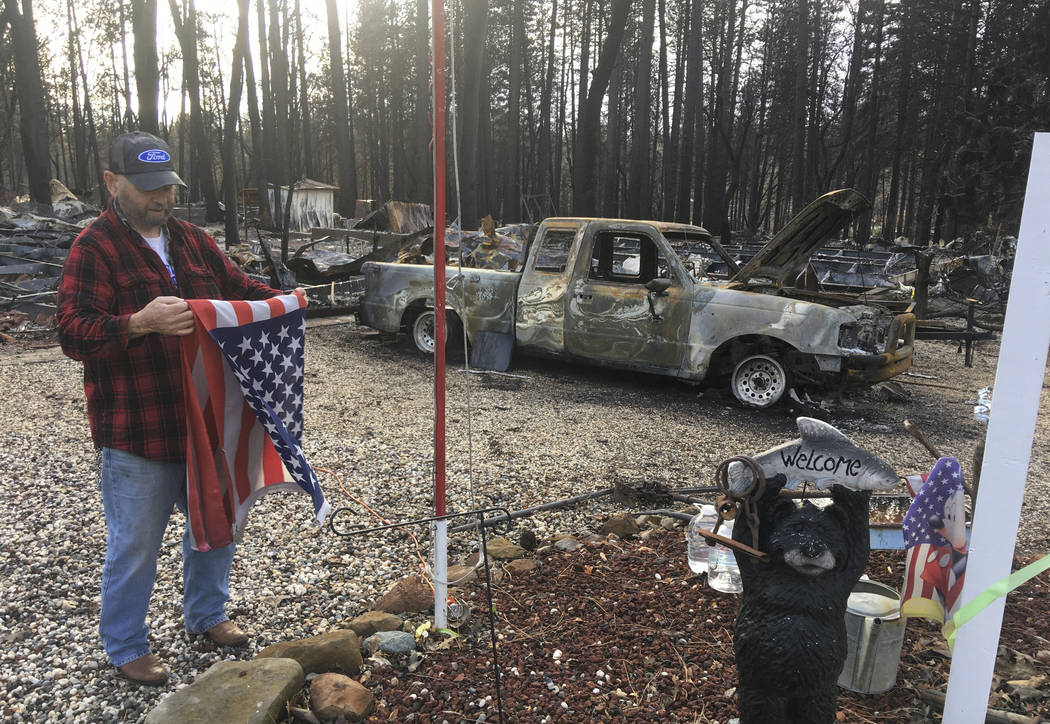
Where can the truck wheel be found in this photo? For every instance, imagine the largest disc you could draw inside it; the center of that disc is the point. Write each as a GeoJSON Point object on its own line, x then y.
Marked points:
{"type": "Point", "coordinates": [424, 333]}
{"type": "Point", "coordinates": [759, 381]}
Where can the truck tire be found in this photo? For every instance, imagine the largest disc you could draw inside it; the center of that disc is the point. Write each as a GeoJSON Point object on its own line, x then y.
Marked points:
{"type": "Point", "coordinates": [760, 381]}
{"type": "Point", "coordinates": [424, 334]}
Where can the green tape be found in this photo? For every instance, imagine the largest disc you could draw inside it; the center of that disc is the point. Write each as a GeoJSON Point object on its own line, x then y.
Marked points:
{"type": "Point", "coordinates": [986, 597]}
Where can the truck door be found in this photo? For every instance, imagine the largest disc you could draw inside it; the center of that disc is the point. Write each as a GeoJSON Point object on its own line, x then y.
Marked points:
{"type": "Point", "coordinates": [540, 313]}
{"type": "Point", "coordinates": [627, 307]}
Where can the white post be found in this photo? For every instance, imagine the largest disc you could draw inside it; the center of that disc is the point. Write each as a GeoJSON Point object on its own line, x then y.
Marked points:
{"type": "Point", "coordinates": [441, 574]}
{"type": "Point", "coordinates": [1015, 404]}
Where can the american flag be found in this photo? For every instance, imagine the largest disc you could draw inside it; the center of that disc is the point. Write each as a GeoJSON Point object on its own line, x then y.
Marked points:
{"type": "Point", "coordinates": [935, 538]}
{"type": "Point", "coordinates": [242, 371]}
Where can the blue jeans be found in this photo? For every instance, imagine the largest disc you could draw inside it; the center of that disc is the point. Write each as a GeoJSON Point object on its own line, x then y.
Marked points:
{"type": "Point", "coordinates": [138, 496]}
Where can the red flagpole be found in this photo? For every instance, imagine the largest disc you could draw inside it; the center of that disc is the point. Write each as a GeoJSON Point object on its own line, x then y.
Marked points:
{"type": "Point", "coordinates": [439, 257]}
{"type": "Point", "coordinates": [440, 531]}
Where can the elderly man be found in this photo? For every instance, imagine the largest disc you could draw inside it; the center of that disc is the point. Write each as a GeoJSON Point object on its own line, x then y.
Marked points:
{"type": "Point", "coordinates": [121, 309]}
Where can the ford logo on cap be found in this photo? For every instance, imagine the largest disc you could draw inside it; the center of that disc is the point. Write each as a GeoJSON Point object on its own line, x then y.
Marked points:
{"type": "Point", "coordinates": [154, 155]}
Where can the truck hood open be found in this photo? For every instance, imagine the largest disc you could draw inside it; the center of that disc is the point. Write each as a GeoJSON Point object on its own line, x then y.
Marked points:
{"type": "Point", "coordinates": [784, 257]}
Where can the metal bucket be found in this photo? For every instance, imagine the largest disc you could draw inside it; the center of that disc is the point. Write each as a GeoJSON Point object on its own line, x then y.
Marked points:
{"type": "Point", "coordinates": [874, 634]}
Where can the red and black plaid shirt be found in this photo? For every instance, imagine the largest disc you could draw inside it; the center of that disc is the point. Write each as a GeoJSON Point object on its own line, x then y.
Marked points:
{"type": "Point", "coordinates": [133, 386]}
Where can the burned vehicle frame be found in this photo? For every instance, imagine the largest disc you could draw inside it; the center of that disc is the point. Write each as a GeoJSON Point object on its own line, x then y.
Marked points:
{"type": "Point", "coordinates": [616, 293]}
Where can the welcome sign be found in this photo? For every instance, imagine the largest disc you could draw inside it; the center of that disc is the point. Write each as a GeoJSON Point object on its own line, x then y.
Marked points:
{"type": "Point", "coordinates": [823, 456]}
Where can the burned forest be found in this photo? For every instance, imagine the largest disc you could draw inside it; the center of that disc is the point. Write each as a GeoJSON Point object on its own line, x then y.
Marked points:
{"type": "Point", "coordinates": [694, 429]}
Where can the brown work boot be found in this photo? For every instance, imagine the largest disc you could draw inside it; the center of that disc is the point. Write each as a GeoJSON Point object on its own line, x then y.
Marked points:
{"type": "Point", "coordinates": [227, 633]}
{"type": "Point", "coordinates": [145, 670]}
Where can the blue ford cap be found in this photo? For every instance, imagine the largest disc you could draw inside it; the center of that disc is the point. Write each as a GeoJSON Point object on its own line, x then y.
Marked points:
{"type": "Point", "coordinates": [144, 159]}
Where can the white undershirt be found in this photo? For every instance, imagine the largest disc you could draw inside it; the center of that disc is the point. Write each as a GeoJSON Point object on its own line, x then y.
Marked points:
{"type": "Point", "coordinates": [159, 245]}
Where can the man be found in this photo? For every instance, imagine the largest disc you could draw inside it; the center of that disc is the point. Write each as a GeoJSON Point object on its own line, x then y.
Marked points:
{"type": "Point", "coordinates": [120, 312]}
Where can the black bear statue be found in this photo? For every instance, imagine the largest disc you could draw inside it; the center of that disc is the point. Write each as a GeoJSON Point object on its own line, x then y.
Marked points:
{"type": "Point", "coordinates": [790, 633]}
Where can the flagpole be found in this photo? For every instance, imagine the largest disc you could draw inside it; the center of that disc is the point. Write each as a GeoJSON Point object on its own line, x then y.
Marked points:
{"type": "Point", "coordinates": [441, 526]}
{"type": "Point", "coordinates": [1015, 407]}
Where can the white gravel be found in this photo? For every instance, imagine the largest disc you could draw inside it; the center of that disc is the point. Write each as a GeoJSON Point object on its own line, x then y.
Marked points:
{"type": "Point", "coordinates": [369, 409]}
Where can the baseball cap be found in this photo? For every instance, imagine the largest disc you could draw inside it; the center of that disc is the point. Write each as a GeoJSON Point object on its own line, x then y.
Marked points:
{"type": "Point", "coordinates": [144, 159]}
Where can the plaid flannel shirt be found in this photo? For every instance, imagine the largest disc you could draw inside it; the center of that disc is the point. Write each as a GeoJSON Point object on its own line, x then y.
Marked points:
{"type": "Point", "coordinates": [133, 386]}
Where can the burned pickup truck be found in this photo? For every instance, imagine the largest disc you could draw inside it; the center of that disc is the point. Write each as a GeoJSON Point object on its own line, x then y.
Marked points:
{"type": "Point", "coordinates": [615, 293]}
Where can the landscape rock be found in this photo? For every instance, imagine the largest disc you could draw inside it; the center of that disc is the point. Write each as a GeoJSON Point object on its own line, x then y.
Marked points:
{"type": "Point", "coordinates": [461, 575]}
{"type": "Point", "coordinates": [669, 523]}
{"type": "Point", "coordinates": [235, 692]}
{"type": "Point", "coordinates": [389, 642]}
{"type": "Point", "coordinates": [622, 525]}
{"type": "Point", "coordinates": [502, 549]}
{"type": "Point", "coordinates": [522, 565]}
{"type": "Point", "coordinates": [409, 595]}
{"type": "Point", "coordinates": [371, 621]}
{"type": "Point", "coordinates": [338, 650]}
{"type": "Point", "coordinates": [303, 715]}
{"type": "Point", "coordinates": [568, 543]}
{"type": "Point", "coordinates": [335, 695]}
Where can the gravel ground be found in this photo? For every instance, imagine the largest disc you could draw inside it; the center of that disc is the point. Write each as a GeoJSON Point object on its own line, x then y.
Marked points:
{"type": "Point", "coordinates": [559, 431]}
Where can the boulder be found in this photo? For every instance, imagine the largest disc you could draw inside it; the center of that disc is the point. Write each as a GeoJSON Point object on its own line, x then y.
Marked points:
{"type": "Point", "coordinates": [368, 623]}
{"type": "Point", "coordinates": [334, 695]}
{"type": "Point", "coordinates": [390, 642]}
{"type": "Point", "coordinates": [409, 595]}
{"type": "Point", "coordinates": [622, 525]}
{"type": "Point", "coordinates": [336, 650]}
{"type": "Point", "coordinates": [233, 692]}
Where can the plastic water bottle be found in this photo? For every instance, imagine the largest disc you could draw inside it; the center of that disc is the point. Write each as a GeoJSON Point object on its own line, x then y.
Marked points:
{"type": "Point", "coordinates": [696, 547]}
{"type": "Point", "coordinates": [724, 574]}
{"type": "Point", "coordinates": [983, 408]}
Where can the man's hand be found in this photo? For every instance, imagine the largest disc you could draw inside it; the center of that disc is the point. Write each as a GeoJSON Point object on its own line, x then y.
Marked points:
{"type": "Point", "coordinates": [164, 315]}
{"type": "Point", "coordinates": [300, 290]}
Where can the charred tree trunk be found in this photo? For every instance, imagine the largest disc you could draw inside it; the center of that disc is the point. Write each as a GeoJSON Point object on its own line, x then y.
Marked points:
{"type": "Point", "coordinates": [588, 129]}
{"type": "Point", "coordinates": [344, 151]}
{"type": "Point", "coordinates": [304, 100]}
{"type": "Point", "coordinates": [186, 31]}
{"type": "Point", "coordinates": [229, 141]}
{"type": "Point", "coordinates": [799, 192]}
{"type": "Point", "coordinates": [144, 28]}
{"type": "Point", "coordinates": [639, 194]}
{"type": "Point", "coordinates": [423, 187]}
{"type": "Point", "coordinates": [512, 197]}
{"type": "Point", "coordinates": [31, 112]}
{"type": "Point", "coordinates": [693, 115]}
{"type": "Point", "coordinates": [268, 213]}
{"type": "Point", "coordinates": [543, 164]}
{"type": "Point", "coordinates": [476, 12]}
{"type": "Point", "coordinates": [279, 170]}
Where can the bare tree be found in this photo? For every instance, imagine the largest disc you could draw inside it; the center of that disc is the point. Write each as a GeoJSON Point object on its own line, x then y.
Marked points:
{"type": "Point", "coordinates": [186, 30]}
{"type": "Point", "coordinates": [588, 131]}
{"type": "Point", "coordinates": [144, 28]}
{"type": "Point", "coordinates": [233, 113]}
{"type": "Point", "coordinates": [31, 113]}
{"type": "Point", "coordinates": [344, 151]}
